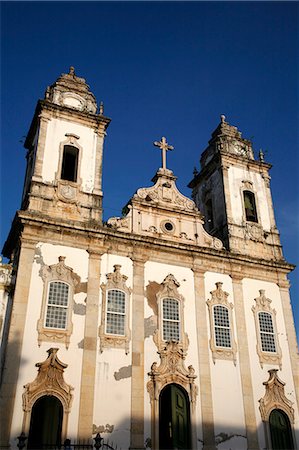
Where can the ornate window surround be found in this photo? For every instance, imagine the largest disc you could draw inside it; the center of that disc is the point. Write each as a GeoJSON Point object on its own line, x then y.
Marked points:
{"type": "Point", "coordinates": [49, 381]}
{"type": "Point", "coordinates": [263, 304]}
{"type": "Point", "coordinates": [275, 398]}
{"type": "Point", "coordinates": [220, 298]}
{"type": "Point", "coordinates": [248, 186]}
{"type": "Point", "coordinates": [169, 289]}
{"type": "Point", "coordinates": [65, 274]}
{"type": "Point", "coordinates": [115, 281]}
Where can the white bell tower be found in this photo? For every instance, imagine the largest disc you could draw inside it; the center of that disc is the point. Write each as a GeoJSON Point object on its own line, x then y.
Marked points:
{"type": "Point", "coordinates": [232, 190]}
{"type": "Point", "coordinates": [65, 151]}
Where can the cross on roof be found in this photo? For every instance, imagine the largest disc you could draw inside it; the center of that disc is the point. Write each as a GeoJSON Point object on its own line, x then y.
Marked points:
{"type": "Point", "coordinates": [164, 147]}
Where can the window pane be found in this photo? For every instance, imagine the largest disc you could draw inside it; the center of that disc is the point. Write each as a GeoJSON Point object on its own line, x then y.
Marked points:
{"type": "Point", "coordinates": [58, 294]}
{"type": "Point", "coordinates": [221, 326]}
{"type": "Point", "coordinates": [56, 317]}
{"type": "Point", "coordinates": [116, 302]}
{"type": "Point", "coordinates": [115, 324]}
{"type": "Point", "coordinates": [266, 324]}
{"type": "Point", "coordinates": [267, 332]}
{"type": "Point", "coordinates": [171, 331]}
{"type": "Point", "coordinates": [170, 309]}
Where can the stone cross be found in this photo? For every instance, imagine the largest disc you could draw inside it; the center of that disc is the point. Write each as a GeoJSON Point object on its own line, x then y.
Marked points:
{"type": "Point", "coordinates": [164, 147]}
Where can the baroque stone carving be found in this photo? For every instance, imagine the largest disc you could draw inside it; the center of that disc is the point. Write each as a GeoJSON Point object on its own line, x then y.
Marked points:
{"type": "Point", "coordinates": [263, 304]}
{"type": "Point", "coordinates": [49, 381]}
{"type": "Point", "coordinates": [275, 398]}
{"type": "Point", "coordinates": [169, 289]}
{"type": "Point", "coordinates": [115, 280]}
{"type": "Point", "coordinates": [57, 272]}
{"type": "Point", "coordinates": [220, 297]}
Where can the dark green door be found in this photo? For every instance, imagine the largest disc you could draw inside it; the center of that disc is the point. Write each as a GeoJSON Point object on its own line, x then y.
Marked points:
{"type": "Point", "coordinates": [45, 423]}
{"type": "Point", "coordinates": [174, 422]}
{"type": "Point", "coordinates": [280, 430]}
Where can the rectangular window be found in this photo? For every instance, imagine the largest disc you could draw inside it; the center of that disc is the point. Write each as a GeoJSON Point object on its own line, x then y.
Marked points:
{"type": "Point", "coordinates": [267, 332]}
{"type": "Point", "coordinates": [69, 163]}
{"type": "Point", "coordinates": [116, 310]}
{"type": "Point", "coordinates": [171, 320]}
{"type": "Point", "coordinates": [222, 327]}
{"type": "Point", "coordinates": [57, 305]}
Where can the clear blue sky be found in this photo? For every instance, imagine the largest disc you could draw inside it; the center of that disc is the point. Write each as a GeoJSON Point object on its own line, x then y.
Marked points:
{"type": "Point", "coordinates": [162, 69]}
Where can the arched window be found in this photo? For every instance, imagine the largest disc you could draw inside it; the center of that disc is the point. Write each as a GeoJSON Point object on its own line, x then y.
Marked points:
{"type": "Point", "coordinates": [280, 431]}
{"type": "Point", "coordinates": [115, 312]}
{"type": "Point", "coordinates": [250, 206]}
{"type": "Point", "coordinates": [221, 326]}
{"type": "Point", "coordinates": [57, 305]}
{"type": "Point", "coordinates": [171, 319]}
{"type": "Point", "coordinates": [69, 167]}
{"type": "Point", "coordinates": [267, 334]}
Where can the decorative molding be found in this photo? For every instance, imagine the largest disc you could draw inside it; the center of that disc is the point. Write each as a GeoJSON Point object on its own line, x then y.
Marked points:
{"type": "Point", "coordinates": [220, 297]}
{"type": "Point", "coordinates": [57, 272]}
{"type": "Point", "coordinates": [263, 304]}
{"type": "Point", "coordinates": [49, 381]}
{"type": "Point", "coordinates": [275, 398]}
{"type": "Point", "coordinates": [169, 289]}
{"type": "Point", "coordinates": [115, 280]}
{"type": "Point", "coordinates": [171, 370]}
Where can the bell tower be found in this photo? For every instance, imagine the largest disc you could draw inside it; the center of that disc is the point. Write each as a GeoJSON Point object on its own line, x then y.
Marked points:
{"type": "Point", "coordinates": [232, 190]}
{"type": "Point", "coordinates": [65, 151]}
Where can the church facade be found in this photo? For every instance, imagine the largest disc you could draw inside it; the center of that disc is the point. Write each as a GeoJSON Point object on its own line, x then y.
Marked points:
{"type": "Point", "coordinates": [167, 328]}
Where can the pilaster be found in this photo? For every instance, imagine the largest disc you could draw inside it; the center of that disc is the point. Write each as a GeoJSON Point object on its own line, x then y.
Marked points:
{"type": "Point", "coordinates": [244, 361]}
{"type": "Point", "coordinates": [90, 347]}
{"type": "Point", "coordinates": [42, 133]}
{"type": "Point", "coordinates": [137, 394]}
{"type": "Point", "coordinates": [15, 339]}
{"type": "Point", "coordinates": [205, 390]}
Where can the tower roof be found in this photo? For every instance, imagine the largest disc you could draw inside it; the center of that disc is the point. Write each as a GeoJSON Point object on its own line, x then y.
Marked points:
{"type": "Point", "coordinates": [73, 92]}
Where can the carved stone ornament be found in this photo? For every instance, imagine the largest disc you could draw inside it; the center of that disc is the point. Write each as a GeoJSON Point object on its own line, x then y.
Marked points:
{"type": "Point", "coordinates": [49, 381]}
{"type": "Point", "coordinates": [67, 191]}
{"type": "Point", "coordinates": [57, 272]}
{"type": "Point", "coordinates": [169, 289]}
{"type": "Point", "coordinates": [263, 304]}
{"type": "Point", "coordinates": [220, 297]}
{"type": "Point", "coordinates": [115, 280]}
{"type": "Point", "coordinates": [254, 232]}
{"type": "Point", "coordinates": [275, 398]}
{"type": "Point", "coordinates": [171, 370]}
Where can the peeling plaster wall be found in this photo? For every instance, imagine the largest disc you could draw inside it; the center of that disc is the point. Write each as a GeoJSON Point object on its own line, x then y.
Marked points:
{"type": "Point", "coordinates": [56, 130]}
{"type": "Point", "coordinates": [31, 353]}
{"type": "Point", "coordinates": [228, 406]}
{"type": "Point", "coordinates": [236, 175]}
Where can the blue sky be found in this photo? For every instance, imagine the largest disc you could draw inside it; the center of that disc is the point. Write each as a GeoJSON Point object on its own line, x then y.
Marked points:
{"type": "Point", "coordinates": [162, 69]}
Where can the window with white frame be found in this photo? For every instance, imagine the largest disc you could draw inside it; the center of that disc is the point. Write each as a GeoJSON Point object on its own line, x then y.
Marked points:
{"type": "Point", "coordinates": [266, 332]}
{"type": "Point", "coordinates": [267, 346]}
{"type": "Point", "coordinates": [171, 319]}
{"type": "Point", "coordinates": [221, 326]}
{"type": "Point", "coordinates": [114, 330]}
{"type": "Point", "coordinates": [57, 305]}
{"type": "Point", "coordinates": [115, 312]}
{"type": "Point", "coordinates": [55, 322]}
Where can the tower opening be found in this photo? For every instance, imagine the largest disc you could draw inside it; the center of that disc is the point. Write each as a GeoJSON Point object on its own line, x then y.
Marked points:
{"type": "Point", "coordinates": [250, 207]}
{"type": "Point", "coordinates": [69, 166]}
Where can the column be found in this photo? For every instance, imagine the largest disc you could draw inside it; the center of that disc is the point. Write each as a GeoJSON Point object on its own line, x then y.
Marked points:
{"type": "Point", "coordinates": [290, 330]}
{"type": "Point", "coordinates": [90, 347]}
{"type": "Point", "coordinates": [205, 386]}
{"type": "Point", "coordinates": [137, 394]}
{"type": "Point", "coordinates": [246, 382]}
{"type": "Point", "coordinates": [15, 339]}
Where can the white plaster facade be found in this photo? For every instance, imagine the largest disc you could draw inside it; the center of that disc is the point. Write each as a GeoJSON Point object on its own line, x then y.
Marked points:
{"type": "Point", "coordinates": [116, 384]}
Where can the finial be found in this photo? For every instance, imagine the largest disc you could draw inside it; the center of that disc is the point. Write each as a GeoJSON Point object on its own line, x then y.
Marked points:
{"type": "Point", "coordinates": [101, 108]}
{"type": "Point", "coordinates": [164, 147]}
{"type": "Point", "coordinates": [222, 117]}
{"type": "Point", "coordinates": [72, 70]}
{"type": "Point", "coordinates": [195, 171]}
{"type": "Point", "coordinates": [261, 156]}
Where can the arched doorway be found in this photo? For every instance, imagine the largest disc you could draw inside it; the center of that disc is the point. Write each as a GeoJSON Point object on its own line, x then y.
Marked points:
{"type": "Point", "coordinates": [280, 431]}
{"type": "Point", "coordinates": [174, 418]}
{"type": "Point", "coordinates": [45, 423]}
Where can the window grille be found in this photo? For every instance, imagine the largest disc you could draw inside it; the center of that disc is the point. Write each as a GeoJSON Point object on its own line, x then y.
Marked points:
{"type": "Point", "coordinates": [171, 319]}
{"type": "Point", "coordinates": [267, 332]}
{"type": "Point", "coordinates": [57, 305]}
{"type": "Point", "coordinates": [116, 311]}
{"type": "Point", "coordinates": [222, 327]}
